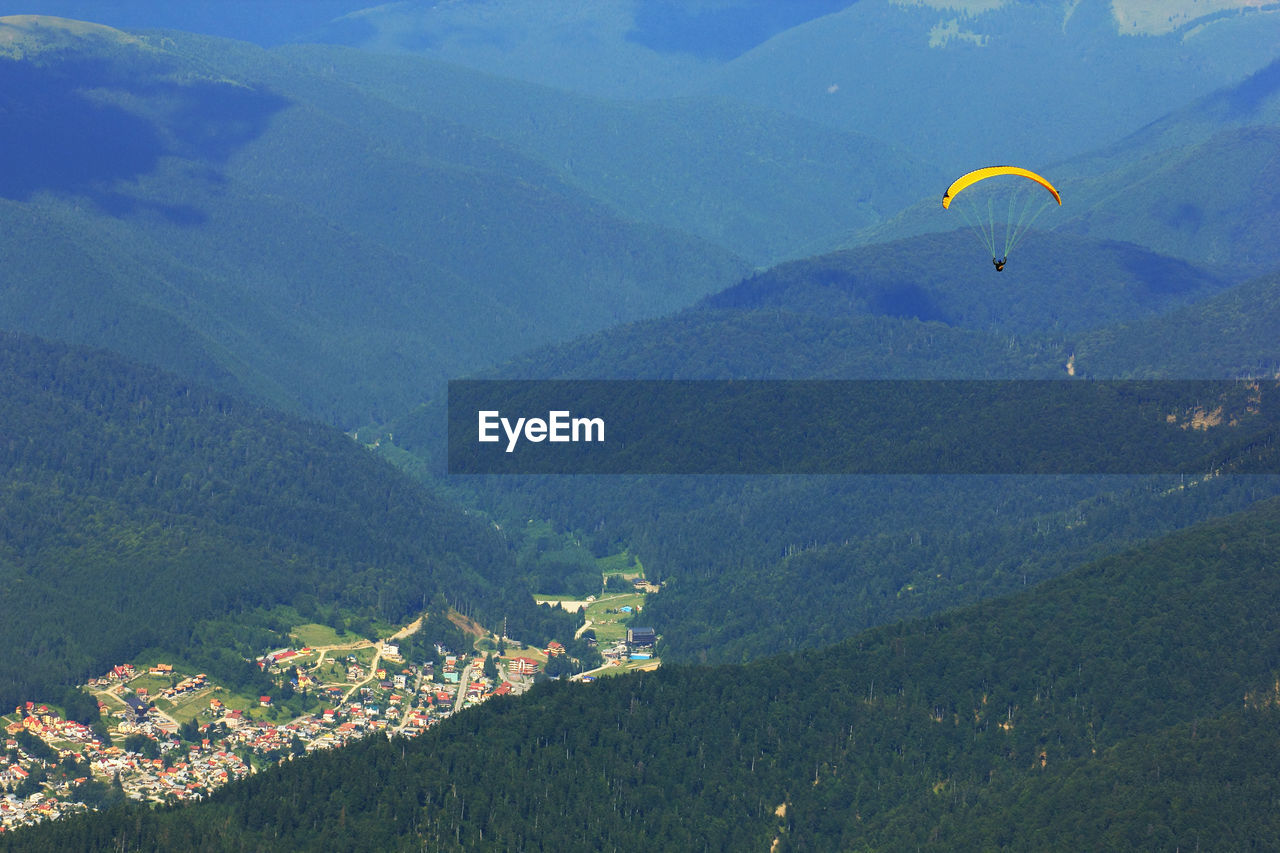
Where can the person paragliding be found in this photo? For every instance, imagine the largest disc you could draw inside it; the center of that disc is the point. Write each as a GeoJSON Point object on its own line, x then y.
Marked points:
{"type": "Point", "coordinates": [1019, 213]}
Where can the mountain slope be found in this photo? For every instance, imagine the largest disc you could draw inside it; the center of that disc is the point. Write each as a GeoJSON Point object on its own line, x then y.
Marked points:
{"type": "Point", "coordinates": [264, 22]}
{"type": "Point", "coordinates": [950, 81]}
{"type": "Point", "coordinates": [1054, 282]}
{"type": "Point", "coordinates": [976, 727]}
{"type": "Point", "coordinates": [1196, 184]}
{"type": "Point", "coordinates": [761, 183]}
{"type": "Point", "coordinates": [922, 307]}
{"type": "Point", "coordinates": [828, 556]}
{"type": "Point", "coordinates": [1213, 203]}
{"type": "Point", "coordinates": [134, 505]}
{"type": "Point", "coordinates": [256, 226]}
{"type": "Point", "coordinates": [1232, 334]}
{"type": "Point", "coordinates": [966, 84]}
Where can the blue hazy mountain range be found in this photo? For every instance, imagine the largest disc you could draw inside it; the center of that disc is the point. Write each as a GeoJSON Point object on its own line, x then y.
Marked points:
{"type": "Point", "coordinates": [198, 204]}
{"type": "Point", "coordinates": [263, 22]}
{"type": "Point", "coordinates": [715, 30]}
{"type": "Point", "coordinates": [1196, 184]}
{"type": "Point", "coordinates": [395, 220]}
{"type": "Point", "coordinates": [954, 81]}
{"type": "Point", "coordinates": [1029, 82]}
{"type": "Point", "coordinates": [1015, 81]}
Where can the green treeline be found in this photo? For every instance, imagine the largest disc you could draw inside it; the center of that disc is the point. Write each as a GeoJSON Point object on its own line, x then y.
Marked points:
{"type": "Point", "coordinates": [753, 566]}
{"type": "Point", "coordinates": [1100, 710]}
{"type": "Point", "coordinates": [1230, 334]}
{"type": "Point", "coordinates": [1066, 285]}
{"type": "Point", "coordinates": [135, 508]}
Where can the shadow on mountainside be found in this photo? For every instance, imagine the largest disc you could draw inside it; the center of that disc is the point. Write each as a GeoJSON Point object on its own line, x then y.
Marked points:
{"type": "Point", "coordinates": [89, 126]}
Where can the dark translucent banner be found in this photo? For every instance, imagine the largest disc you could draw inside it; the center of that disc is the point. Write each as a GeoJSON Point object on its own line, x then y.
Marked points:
{"type": "Point", "coordinates": [862, 427]}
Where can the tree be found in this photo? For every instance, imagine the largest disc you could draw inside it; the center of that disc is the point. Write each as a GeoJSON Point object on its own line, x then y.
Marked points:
{"type": "Point", "coordinates": [80, 706]}
{"type": "Point", "coordinates": [558, 665]}
{"type": "Point", "coordinates": [142, 745]}
{"type": "Point", "coordinates": [190, 730]}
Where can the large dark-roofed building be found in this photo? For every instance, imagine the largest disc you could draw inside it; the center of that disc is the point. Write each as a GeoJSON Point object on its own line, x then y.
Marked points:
{"type": "Point", "coordinates": [641, 638]}
{"type": "Point", "coordinates": [136, 709]}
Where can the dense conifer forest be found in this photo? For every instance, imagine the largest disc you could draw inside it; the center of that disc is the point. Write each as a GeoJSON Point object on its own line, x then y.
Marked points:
{"type": "Point", "coordinates": [825, 557]}
{"type": "Point", "coordinates": [142, 511]}
{"type": "Point", "coordinates": [244, 249]}
{"type": "Point", "coordinates": [1130, 703]}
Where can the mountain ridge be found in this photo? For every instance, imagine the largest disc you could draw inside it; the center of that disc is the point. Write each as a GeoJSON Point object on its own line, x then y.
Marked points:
{"type": "Point", "coordinates": [229, 147]}
{"type": "Point", "coordinates": [134, 504]}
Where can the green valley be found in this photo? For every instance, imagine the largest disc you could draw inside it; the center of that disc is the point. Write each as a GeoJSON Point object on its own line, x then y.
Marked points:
{"type": "Point", "coordinates": [260, 264]}
{"type": "Point", "coordinates": [979, 723]}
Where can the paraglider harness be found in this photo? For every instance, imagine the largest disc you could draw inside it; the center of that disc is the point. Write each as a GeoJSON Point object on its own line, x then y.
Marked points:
{"type": "Point", "coordinates": [1000, 263]}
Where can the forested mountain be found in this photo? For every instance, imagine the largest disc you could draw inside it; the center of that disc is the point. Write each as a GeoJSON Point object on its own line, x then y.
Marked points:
{"type": "Point", "coordinates": [1212, 203]}
{"type": "Point", "coordinates": [138, 510]}
{"type": "Point", "coordinates": [1231, 334]}
{"type": "Point", "coordinates": [922, 307]}
{"type": "Point", "coordinates": [1055, 283]}
{"type": "Point", "coordinates": [759, 564]}
{"type": "Point", "coordinates": [761, 183]}
{"type": "Point", "coordinates": [950, 82]}
{"type": "Point", "coordinates": [209, 207]}
{"type": "Point", "coordinates": [1196, 184]}
{"type": "Point", "coordinates": [1101, 710]}
{"type": "Point", "coordinates": [848, 662]}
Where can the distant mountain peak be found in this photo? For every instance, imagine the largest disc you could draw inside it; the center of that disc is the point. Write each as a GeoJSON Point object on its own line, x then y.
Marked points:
{"type": "Point", "coordinates": [970, 7]}
{"type": "Point", "coordinates": [1161, 17]}
{"type": "Point", "coordinates": [26, 35]}
{"type": "Point", "coordinates": [1132, 17]}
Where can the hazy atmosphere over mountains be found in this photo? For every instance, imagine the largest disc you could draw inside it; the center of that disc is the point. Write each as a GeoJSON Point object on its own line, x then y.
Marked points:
{"type": "Point", "coordinates": [247, 244]}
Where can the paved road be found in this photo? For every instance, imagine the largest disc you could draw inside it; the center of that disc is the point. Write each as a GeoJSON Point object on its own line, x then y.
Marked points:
{"type": "Point", "coordinates": [373, 676]}
{"type": "Point", "coordinates": [408, 701]}
{"type": "Point", "coordinates": [463, 681]}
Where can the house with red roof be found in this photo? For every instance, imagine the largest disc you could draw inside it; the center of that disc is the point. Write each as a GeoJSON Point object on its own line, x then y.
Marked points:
{"type": "Point", "coordinates": [524, 666]}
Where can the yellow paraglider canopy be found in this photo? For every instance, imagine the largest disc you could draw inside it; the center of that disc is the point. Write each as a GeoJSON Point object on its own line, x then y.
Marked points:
{"type": "Point", "coordinates": [990, 172]}
{"type": "Point", "coordinates": [981, 208]}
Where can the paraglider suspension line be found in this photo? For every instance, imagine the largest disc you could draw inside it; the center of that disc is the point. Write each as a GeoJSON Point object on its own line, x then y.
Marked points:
{"type": "Point", "coordinates": [984, 230]}
{"type": "Point", "coordinates": [1022, 223]}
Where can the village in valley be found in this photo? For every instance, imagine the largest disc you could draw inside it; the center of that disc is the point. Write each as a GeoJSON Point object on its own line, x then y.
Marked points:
{"type": "Point", "coordinates": [166, 735]}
